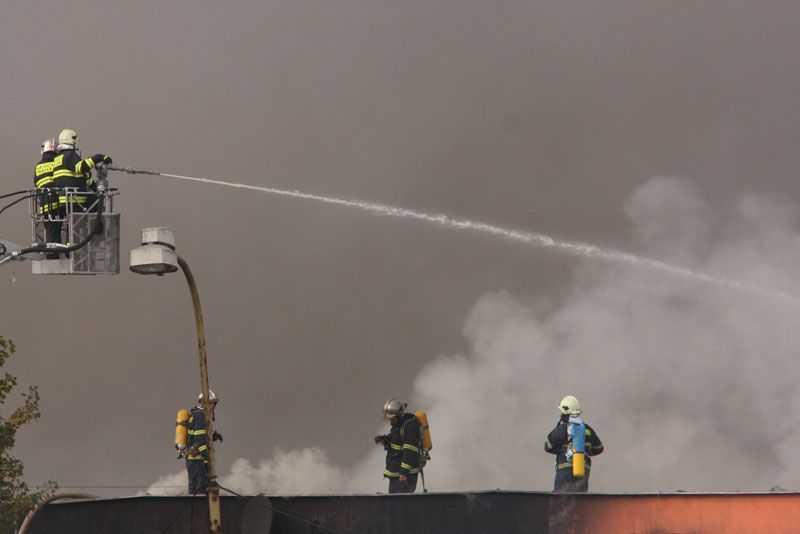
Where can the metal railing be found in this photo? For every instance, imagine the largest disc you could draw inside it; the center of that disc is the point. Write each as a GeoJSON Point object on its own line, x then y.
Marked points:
{"type": "Point", "coordinates": [70, 206]}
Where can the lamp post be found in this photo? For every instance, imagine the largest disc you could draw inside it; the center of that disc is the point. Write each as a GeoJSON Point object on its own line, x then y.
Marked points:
{"type": "Point", "coordinates": [157, 256]}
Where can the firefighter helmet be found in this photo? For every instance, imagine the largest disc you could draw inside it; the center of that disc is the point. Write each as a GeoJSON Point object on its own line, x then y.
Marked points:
{"type": "Point", "coordinates": [211, 396]}
{"type": "Point", "coordinates": [570, 405]}
{"type": "Point", "coordinates": [393, 407]}
{"type": "Point", "coordinates": [68, 137]}
{"type": "Point", "coordinates": [48, 145]}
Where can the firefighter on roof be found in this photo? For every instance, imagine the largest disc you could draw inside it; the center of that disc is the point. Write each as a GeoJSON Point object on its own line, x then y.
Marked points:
{"type": "Point", "coordinates": [72, 171]}
{"type": "Point", "coordinates": [574, 443]}
{"type": "Point", "coordinates": [403, 446]}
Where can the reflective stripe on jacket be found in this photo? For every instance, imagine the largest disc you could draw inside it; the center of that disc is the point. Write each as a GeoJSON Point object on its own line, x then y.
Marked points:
{"type": "Point", "coordinates": [405, 442]}
{"type": "Point", "coordinates": [70, 170]}
{"type": "Point", "coordinates": [43, 171]}
{"type": "Point", "coordinates": [43, 179]}
{"type": "Point", "coordinates": [197, 439]}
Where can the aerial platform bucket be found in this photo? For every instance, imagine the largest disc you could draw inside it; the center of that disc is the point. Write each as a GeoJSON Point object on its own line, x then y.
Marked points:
{"type": "Point", "coordinates": [99, 256]}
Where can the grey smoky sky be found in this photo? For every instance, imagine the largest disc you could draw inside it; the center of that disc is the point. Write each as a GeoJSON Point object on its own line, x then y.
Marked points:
{"type": "Point", "coordinates": [545, 116]}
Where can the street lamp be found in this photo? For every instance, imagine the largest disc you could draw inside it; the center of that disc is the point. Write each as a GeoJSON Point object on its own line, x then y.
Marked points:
{"type": "Point", "coordinates": [157, 256]}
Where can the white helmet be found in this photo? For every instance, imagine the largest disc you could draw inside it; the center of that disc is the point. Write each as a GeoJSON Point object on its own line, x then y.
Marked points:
{"type": "Point", "coordinates": [570, 405]}
{"type": "Point", "coordinates": [393, 407]}
{"type": "Point", "coordinates": [48, 145]}
{"type": "Point", "coordinates": [68, 137]}
{"type": "Point", "coordinates": [211, 396]}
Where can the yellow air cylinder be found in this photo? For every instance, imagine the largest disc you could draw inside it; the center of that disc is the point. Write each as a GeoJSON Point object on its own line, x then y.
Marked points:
{"type": "Point", "coordinates": [426, 431]}
{"type": "Point", "coordinates": [181, 429]}
{"type": "Point", "coordinates": [578, 465]}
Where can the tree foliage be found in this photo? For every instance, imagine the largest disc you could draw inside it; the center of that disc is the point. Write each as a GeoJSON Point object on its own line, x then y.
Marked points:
{"type": "Point", "coordinates": [16, 498]}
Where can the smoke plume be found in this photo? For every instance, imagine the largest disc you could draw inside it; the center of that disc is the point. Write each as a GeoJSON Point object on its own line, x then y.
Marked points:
{"type": "Point", "coordinates": [689, 385]}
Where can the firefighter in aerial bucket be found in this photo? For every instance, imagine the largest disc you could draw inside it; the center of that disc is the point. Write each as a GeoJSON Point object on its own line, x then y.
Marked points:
{"type": "Point", "coordinates": [193, 444]}
{"type": "Point", "coordinates": [407, 445]}
{"type": "Point", "coordinates": [71, 170]}
{"type": "Point", "coordinates": [46, 195]}
{"type": "Point", "coordinates": [574, 443]}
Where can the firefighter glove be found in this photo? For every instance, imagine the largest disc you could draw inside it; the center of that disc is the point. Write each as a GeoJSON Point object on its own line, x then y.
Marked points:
{"type": "Point", "coordinates": [217, 436]}
{"type": "Point", "coordinates": [383, 439]}
{"type": "Point", "coordinates": [101, 158]}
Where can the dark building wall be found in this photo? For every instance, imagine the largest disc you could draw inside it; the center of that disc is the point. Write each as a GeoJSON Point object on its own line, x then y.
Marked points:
{"type": "Point", "coordinates": [445, 512]}
{"type": "Point", "coordinates": [483, 512]}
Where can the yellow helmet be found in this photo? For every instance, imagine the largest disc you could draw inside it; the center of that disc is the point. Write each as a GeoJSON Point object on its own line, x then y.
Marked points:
{"type": "Point", "coordinates": [570, 405]}
{"type": "Point", "coordinates": [68, 137]}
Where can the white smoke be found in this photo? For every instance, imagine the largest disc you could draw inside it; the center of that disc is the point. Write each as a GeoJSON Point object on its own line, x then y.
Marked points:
{"type": "Point", "coordinates": [289, 472]}
{"type": "Point", "coordinates": [286, 473]}
{"type": "Point", "coordinates": [175, 484]}
{"type": "Point", "coordinates": [690, 385]}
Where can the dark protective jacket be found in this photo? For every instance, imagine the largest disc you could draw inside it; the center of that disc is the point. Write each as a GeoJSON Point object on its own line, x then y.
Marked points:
{"type": "Point", "coordinates": [558, 442]}
{"type": "Point", "coordinates": [197, 440]}
{"type": "Point", "coordinates": [43, 171]}
{"type": "Point", "coordinates": [43, 179]}
{"type": "Point", "coordinates": [405, 444]}
{"type": "Point", "coordinates": [72, 171]}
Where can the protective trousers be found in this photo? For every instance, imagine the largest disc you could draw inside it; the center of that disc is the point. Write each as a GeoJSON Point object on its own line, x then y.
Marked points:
{"type": "Point", "coordinates": [198, 476]}
{"type": "Point", "coordinates": [398, 486]}
{"type": "Point", "coordinates": [52, 234]}
{"type": "Point", "coordinates": [566, 483]}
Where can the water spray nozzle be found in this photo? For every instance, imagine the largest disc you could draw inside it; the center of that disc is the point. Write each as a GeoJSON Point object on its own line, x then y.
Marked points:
{"type": "Point", "coordinates": [130, 169]}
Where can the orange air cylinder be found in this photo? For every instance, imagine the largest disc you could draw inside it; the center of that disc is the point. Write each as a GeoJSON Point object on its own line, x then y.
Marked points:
{"type": "Point", "coordinates": [426, 431]}
{"type": "Point", "coordinates": [578, 465]}
{"type": "Point", "coordinates": [577, 434]}
{"type": "Point", "coordinates": [181, 429]}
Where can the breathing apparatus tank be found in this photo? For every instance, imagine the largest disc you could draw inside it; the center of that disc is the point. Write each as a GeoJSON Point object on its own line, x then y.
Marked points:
{"type": "Point", "coordinates": [181, 431]}
{"type": "Point", "coordinates": [422, 417]}
{"type": "Point", "coordinates": [578, 433]}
